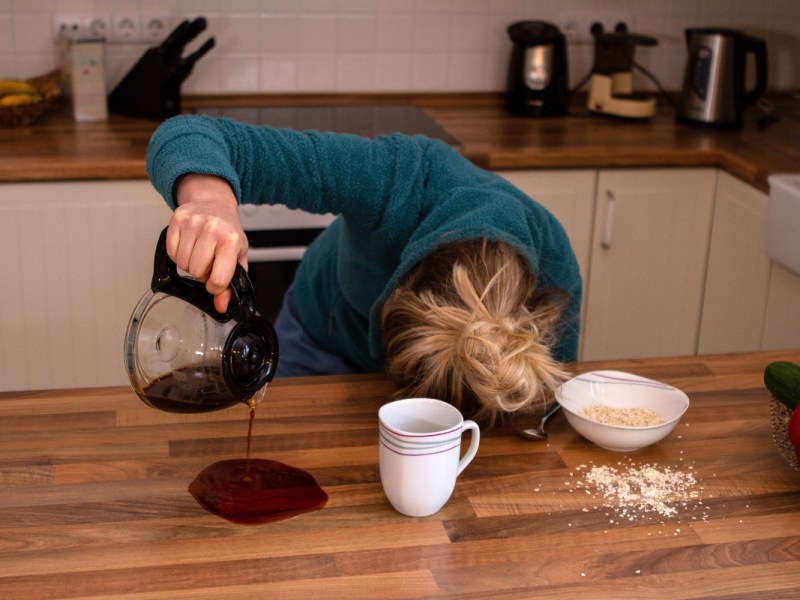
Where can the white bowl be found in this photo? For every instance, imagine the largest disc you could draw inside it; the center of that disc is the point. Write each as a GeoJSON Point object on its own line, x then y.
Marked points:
{"type": "Point", "coordinates": [617, 389]}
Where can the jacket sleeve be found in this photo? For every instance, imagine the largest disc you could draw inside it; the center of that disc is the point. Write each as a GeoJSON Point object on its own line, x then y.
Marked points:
{"type": "Point", "coordinates": [314, 171]}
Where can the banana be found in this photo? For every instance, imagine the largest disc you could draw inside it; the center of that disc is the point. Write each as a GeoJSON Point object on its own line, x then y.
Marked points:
{"type": "Point", "coordinates": [17, 99]}
{"type": "Point", "coordinates": [14, 86]}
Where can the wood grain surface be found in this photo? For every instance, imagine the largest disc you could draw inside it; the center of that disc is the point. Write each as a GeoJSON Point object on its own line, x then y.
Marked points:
{"type": "Point", "coordinates": [94, 501]}
{"type": "Point", "coordinates": [56, 148]}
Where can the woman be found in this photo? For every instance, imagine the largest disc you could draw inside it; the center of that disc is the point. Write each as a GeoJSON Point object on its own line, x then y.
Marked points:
{"type": "Point", "coordinates": [444, 275]}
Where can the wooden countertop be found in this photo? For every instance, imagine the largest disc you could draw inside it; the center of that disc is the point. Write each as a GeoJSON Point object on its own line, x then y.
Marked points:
{"type": "Point", "coordinates": [93, 492]}
{"type": "Point", "coordinates": [55, 148]}
{"type": "Point", "coordinates": [495, 140]}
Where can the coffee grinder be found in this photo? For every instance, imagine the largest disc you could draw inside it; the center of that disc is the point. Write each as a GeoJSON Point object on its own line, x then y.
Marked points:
{"type": "Point", "coordinates": [611, 88]}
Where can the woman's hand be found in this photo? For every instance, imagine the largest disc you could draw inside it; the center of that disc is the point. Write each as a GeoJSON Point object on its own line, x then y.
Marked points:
{"type": "Point", "coordinates": [205, 236]}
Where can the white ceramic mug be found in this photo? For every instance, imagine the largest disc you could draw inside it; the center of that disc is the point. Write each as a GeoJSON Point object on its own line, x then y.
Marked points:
{"type": "Point", "coordinates": [420, 453]}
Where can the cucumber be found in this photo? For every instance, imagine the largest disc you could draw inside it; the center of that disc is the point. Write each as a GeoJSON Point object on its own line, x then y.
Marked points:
{"type": "Point", "coordinates": [782, 379]}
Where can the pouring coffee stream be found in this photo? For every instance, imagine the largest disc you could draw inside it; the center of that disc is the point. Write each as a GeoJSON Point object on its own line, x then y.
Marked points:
{"type": "Point", "coordinates": [182, 356]}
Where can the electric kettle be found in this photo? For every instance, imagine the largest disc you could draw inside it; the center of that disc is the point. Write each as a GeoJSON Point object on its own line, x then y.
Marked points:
{"type": "Point", "coordinates": [714, 83]}
{"type": "Point", "coordinates": [181, 355]}
{"type": "Point", "coordinates": [537, 72]}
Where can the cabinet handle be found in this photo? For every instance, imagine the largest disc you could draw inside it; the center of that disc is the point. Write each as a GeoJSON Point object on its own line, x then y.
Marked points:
{"type": "Point", "coordinates": [611, 202]}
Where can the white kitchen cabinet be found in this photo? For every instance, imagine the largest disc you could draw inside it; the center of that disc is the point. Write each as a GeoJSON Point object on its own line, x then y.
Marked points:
{"type": "Point", "coordinates": [738, 276]}
{"type": "Point", "coordinates": [648, 262]}
{"type": "Point", "coordinates": [569, 196]}
{"type": "Point", "coordinates": [782, 319]}
{"type": "Point", "coordinates": [75, 258]}
{"type": "Point", "coordinates": [751, 303]}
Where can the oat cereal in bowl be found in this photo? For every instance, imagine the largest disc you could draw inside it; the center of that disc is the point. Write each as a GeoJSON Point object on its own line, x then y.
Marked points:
{"type": "Point", "coordinates": [621, 411]}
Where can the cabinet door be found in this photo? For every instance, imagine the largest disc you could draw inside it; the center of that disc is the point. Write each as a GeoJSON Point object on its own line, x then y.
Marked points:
{"type": "Point", "coordinates": [738, 271]}
{"type": "Point", "coordinates": [782, 322]}
{"type": "Point", "coordinates": [75, 258]}
{"type": "Point", "coordinates": [648, 262]}
{"type": "Point", "coordinates": [569, 196]}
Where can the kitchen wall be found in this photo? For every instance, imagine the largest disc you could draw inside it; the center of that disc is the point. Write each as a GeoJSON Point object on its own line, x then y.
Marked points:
{"type": "Point", "coordinates": [313, 46]}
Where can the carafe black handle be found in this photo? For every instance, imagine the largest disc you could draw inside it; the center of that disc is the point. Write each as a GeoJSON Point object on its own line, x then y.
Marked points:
{"type": "Point", "coordinates": [758, 48]}
{"type": "Point", "coordinates": [166, 279]}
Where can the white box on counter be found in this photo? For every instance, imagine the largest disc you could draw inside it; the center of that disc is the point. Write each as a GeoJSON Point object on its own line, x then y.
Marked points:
{"type": "Point", "coordinates": [83, 68]}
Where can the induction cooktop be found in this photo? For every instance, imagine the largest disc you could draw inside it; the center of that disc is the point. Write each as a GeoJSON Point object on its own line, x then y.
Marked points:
{"type": "Point", "coordinates": [368, 120]}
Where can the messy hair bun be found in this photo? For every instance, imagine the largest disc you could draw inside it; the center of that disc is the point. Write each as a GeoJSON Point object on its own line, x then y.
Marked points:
{"type": "Point", "coordinates": [463, 328]}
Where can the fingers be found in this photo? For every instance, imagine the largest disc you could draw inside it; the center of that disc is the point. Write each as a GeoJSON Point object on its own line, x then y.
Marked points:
{"type": "Point", "coordinates": [210, 256]}
{"type": "Point", "coordinates": [222, 300]}
{"type": "Point", "coordinates": [222, 260]}
{"type": "Point", "coordinates": [208, 249]}
{"type": "Point", "coordinates": [172, 242]}
{"type": "Point", "coordinates": [209, 259]}
{"type": "Point", "coordinates": [205, 236]}
{"type": "Point", "coordinates": [222, 272]}
{"type": "Point", "coordinates": [192, 250]}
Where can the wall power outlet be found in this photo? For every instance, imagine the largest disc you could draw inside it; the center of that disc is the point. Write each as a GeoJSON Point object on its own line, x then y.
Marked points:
{"type": "Point", "coordinates": [122, 28]}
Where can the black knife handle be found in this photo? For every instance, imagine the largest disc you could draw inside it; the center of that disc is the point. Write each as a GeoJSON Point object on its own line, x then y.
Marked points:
{"type": "Point", "coordinates": [184, 68]}
{"type": "Point", "coordinates": [198, 54]}
{"type": "Point", "coordinates": [173, 46]}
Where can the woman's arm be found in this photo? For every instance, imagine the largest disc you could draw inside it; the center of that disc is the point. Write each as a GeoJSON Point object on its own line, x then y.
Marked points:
{"type": "Point", "coordinates": [315, 171]}
{"type": "Point", "coordinates": [204, 167]}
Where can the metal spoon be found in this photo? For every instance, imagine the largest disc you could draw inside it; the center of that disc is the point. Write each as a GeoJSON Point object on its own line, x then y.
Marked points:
{"type": "Point", "coordinates": [538, 432]}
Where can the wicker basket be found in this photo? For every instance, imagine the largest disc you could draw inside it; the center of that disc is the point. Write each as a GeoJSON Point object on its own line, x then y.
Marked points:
{"type": "Point", "coordinates": [22, 115]}
{"type": "Point", "coordinates": [779, 416]}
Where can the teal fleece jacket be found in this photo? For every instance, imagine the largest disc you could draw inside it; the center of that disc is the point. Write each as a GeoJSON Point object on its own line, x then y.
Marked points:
{"type": "Point", "coordinates": [397, 197]}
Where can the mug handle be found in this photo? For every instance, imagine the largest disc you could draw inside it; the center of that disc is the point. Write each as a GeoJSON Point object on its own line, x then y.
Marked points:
{"type": "Point", "coordinates": [475, 439]}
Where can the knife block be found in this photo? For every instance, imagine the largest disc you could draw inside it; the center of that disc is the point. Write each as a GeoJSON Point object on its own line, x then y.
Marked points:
{"type": "Point", "coordinates": [152, 88]}
{"type": "Point", "coordinates": [149, 90]}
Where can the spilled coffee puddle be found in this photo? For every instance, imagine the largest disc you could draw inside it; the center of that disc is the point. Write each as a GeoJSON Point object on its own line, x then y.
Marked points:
{"type": "Point", "coordinates": [252, 490]}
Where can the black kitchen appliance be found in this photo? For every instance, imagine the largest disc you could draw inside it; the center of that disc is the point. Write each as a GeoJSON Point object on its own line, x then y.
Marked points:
{"type": "Point", "coordinates": [152, 88]}
{"type": "Point", "coordinates": [537, 72]}
{"type": "Point", "coordinates": [611, 89]}
{"type": "Point", "coordinates": [714, 83]}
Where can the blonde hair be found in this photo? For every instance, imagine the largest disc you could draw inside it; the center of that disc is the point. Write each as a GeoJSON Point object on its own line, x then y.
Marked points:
{"type": "Point", "coordinates": [463, 327]}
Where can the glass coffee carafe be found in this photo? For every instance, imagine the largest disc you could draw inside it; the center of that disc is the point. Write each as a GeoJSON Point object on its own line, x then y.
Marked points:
{"type": "Point", "coordinates": [181, 355]}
